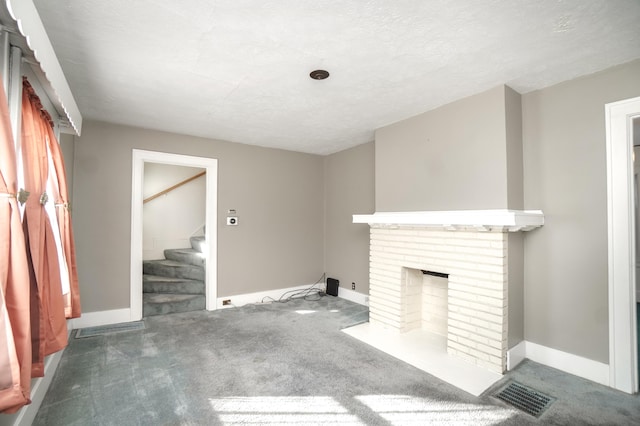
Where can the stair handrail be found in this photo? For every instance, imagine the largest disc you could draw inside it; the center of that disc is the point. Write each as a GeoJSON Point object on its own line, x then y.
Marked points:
{"type": "Point", "coordinates": [171, 188]}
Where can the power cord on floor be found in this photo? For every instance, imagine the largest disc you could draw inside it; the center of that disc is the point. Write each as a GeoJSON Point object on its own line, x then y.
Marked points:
{"type": "Point", "coordinates": [312, 293]}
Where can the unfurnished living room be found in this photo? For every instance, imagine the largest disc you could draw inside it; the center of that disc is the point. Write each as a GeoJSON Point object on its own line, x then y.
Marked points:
{"type": "Point", "coordinates": [319, 212]}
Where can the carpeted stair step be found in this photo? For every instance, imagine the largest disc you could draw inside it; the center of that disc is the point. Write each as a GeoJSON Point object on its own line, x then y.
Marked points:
{"type": "Point", "coordinates": [173, 269]}
{"type": "Point", "coordinates": [198, 244]}
{"type": "Point", "coordinates": [186, 255]}
{"type": "Point", "coordinates": [160, 304]}
{"type": "Point", "coordinates": [158, 284]}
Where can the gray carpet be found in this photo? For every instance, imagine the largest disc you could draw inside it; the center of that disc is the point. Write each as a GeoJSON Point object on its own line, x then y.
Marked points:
{"type": "Point", "coordinates": [286, 364]}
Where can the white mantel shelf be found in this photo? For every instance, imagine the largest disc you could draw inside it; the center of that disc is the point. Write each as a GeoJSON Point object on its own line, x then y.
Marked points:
{"type": "Point", "coordinates": [499, 220]}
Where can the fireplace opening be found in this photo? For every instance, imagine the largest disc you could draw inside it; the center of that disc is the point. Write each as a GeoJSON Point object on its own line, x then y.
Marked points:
{"type": "Point", "coordinates": [426, 300]}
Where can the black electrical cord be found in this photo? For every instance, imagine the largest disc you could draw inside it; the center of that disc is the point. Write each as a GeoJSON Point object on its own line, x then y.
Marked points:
{"type": "Point", "coordinates": [312, 293]}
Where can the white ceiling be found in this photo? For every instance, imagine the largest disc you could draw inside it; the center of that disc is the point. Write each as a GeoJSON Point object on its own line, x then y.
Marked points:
{"type": "Point", "coordinates": [238, 70]}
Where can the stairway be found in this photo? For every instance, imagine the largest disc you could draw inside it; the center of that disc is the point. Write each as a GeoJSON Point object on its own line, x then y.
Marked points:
{"type": "Point", "coordinates": [176, 283]}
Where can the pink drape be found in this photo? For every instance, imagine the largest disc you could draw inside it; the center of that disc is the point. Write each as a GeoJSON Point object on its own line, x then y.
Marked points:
{"type": "Point", "coordinates": [63, 211]}
{"type": "Point", "coordinates": [33, 305]}
{"type": "Point", "coordinates": [49, 328]}
{"type": "Point", "coordinates": [15, 324]}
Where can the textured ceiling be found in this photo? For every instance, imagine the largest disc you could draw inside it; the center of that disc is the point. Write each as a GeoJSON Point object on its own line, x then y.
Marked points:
{"type": "Point", "coordinates": [238, 70]}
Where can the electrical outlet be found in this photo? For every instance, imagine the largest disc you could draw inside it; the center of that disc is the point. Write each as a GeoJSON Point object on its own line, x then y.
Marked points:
{"type": "Point", "coordinates": [226, 302]}
{"type": "Point", "coordinates": [353, 286]}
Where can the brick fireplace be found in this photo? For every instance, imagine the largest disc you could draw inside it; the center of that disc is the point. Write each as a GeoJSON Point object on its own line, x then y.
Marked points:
{"type": "Point", "coordinates": [446, 273]}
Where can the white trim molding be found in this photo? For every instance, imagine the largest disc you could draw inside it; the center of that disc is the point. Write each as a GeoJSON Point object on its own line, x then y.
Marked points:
{"type": "Point", "coordinates": [353, 296]}
{"type": "Point", "coordinates": [498, 220]}
{"type": "Point", "coordinates": [239, 300]}
{"type": "Point", "coordinates": [139, 157]}
{"type": "Point", "coordinates": [39, 386]}
{"type": "Point", "coordinates": [516, 355]}
{"type": "Point", "coordinates": [258, 297]}
{"type": "Point", "coordinates": [95, 319]}
{"type": "Point", "coordinates": [621, 244]}
{"type": "Point", "coordinates": [569, 363]}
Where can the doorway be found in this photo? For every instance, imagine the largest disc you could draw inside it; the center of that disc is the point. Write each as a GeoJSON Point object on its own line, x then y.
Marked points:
{"type": "Point", "coordinates": [140, 157]}
{"type": "Point", "coordinates": [623, 334]}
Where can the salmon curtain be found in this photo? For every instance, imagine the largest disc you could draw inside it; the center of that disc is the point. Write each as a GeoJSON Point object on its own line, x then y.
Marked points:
{"type": "Point", "coordinates": [38, 274]}
{"type": "Point", "coordinates": [15, 324]}
{"type": "Point", "coordinates": [63, 213]}
{"type": "Point", "coordinates": [49, 328]}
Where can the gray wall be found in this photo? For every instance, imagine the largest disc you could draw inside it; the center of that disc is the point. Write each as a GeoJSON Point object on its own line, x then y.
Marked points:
{"type": "Point", "coordinates": [349, 189]}
{"type": "Point", "coordinates": [463, 155]}
{"type": "Point", "coordinates": [513, 132]}
{"type": "Point", "coordinates": [515, 200]}
{"type": "Point", "coordinates": [277, 194]}
{"type": "Point", "coordinates": [450, 158]}
{"type": "Point", "coordinates": [184, 208]}
{"type": "Point", "coordinates": [566, 304]}
{"type": "Point", "coordinates": [279, 199]}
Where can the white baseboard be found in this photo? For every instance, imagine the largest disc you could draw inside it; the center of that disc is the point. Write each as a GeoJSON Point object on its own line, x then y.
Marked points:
{"type": "Point", "coordinates": [258, 297]}
{"type": "Point", "coordinates": [516, 355]}
{"type": "Point", "coordinates": [573, 364]}
{"type": "Point", "coordinates": [94, 319]}
{"type": "Point", "coordinates": [27, 414]}
{"type": "Point", "coordinates": [353, 296]}
{"type": "Point", "coordinates": [243, 299]}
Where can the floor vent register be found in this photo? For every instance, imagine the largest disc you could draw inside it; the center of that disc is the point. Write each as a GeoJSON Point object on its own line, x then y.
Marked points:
{"type": "Point", "coordinates": [524, 398]}
{"type": "Point", "coordinates": [108, 329]}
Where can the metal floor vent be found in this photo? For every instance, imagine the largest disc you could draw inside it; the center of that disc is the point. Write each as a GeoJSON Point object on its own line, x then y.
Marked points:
{"type": "Point", "coordinates": [524, 398]}
{"type": "Point", "coordinates": [108, 329]}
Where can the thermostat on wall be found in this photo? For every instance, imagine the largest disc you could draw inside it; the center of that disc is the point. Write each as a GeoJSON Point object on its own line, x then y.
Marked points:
{"type": "Point", "coordinates": [232, 220]}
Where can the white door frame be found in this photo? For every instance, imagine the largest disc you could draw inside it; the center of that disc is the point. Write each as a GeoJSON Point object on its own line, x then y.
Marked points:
{"type": "Point", "coordinates": [623, 368]}
{"type": "Point", "coordinates": [211, 208]}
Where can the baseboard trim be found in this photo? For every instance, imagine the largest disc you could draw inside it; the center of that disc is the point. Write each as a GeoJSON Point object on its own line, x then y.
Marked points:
{"type": "Point", "coordinates": [238, 300]}
{"type": "Point", "coordinates": [94, 319]}
{"type": "Point", "coordinates": [27, 414]}
{"type": "Point", "coordinates": [353, 296]}
{"type": "Point", "coordinates": [516, 355]}
{"type": "Point", "coordinates": [573, 364]}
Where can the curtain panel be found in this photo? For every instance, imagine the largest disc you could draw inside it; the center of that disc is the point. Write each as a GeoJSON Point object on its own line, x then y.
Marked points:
{"type": "Point", "coordinates": [38, 273]}
{"type": "Point", "coordinates": [15, 323]}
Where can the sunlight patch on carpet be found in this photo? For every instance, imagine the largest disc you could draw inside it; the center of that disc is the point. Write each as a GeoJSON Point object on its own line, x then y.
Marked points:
{"type": "Point", "coordinates": [307, 410]}
{"type": "Point", "coordinates": [407, 409]}
{"type": "Point", "coordinates": [323, 410]}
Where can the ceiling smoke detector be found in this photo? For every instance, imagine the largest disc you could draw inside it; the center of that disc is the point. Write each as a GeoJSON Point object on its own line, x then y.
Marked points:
{"type": "Point", "coordinates": [319, 74]}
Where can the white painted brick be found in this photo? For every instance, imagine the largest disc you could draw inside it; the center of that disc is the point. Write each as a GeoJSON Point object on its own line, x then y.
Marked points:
{"type": "Point", "coordinates": [461, 290]}
{"type": "Point", "coordinates": [475, 295]}
{"type": "Point", "coordinates": [497, 335]}
{"type": "Point", "coordinates": [381, 319]}
{"type": "Point", "coordinates": [461, 348]}
{"type": "Point", "coordinates": [479, 355]}
{"type": "Point", "coordinates": [474, 283]}
{"type": "Point", "coordinates": [466, 308]}
{"type": "Point", "coordinates": [476, 264]}
{"type": "Point", "coordinates": [474, 275]}
{"type": "Point", "coordinates": [488, 350]}
{"type": "Point", "coordinates": [479, 323]}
